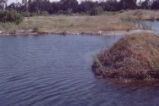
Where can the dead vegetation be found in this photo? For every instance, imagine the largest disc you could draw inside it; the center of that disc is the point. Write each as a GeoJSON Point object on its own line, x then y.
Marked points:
{"type": "Point", "coordinates": [151, 15]}
{"type": "Point", "coordinates": [134, 57]}
{"type": "Point", "coordinates": [70, 24]}
{"type": "Point", "coordinates": [81, 24]}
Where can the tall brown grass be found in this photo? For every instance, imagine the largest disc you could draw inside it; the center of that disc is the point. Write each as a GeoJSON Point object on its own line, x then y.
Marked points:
{"type": "Point", "coordinates": [134, 57]}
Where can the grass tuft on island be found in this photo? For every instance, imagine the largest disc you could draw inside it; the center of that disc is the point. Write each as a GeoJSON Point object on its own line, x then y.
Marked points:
{"type": "Point", "coordinates": [132, 58]}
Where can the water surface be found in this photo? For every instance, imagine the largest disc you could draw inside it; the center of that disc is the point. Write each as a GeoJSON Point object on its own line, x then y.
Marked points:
{"type": "Point", "coordinates": [56, 71]}
{"type": "Point", "coordinates": [154, 25]}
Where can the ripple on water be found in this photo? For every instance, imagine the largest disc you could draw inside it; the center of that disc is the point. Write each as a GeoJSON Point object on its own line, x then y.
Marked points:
{"type": "Point", "coordinates": [56, 71]}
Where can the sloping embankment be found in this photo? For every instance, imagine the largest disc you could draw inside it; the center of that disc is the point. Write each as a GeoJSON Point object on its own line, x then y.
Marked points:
{"type": "Point", "coordinates": [135, 57]}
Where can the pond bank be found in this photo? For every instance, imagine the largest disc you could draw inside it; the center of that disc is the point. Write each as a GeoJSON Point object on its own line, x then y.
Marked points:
{"type": "Point", "coordinates": [116, 33]}
{"type": "Point", "coordinates": [108, 23]}
{"type": "Point", "coordinates": [100, 33]}
{"type": "Point", "coordinates": [72, 24]}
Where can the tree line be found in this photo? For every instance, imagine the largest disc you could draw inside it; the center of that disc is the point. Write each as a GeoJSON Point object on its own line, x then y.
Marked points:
{"type": "Point", "coordinates": [85, 7]}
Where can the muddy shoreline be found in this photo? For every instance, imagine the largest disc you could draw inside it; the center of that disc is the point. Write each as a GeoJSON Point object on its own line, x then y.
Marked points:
{"type": "Point", "coordinates": [99, 33]}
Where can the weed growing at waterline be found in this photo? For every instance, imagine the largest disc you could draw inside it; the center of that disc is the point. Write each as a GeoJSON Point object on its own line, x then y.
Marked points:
{"type": "Point", "coordinates": [136, 21]}
{"type": "Point", "coordinates": [9, 27]}
{"type": "Point", "coordinates": [144, 26]}
{"type": "Point", "coordinates": [36, 29]}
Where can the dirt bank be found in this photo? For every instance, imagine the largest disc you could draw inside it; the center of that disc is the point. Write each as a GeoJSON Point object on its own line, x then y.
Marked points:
{"type": "Point", "coordinates": [134, 57]}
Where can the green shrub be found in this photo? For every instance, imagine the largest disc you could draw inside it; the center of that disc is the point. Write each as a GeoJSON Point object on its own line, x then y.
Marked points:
{"type": "Point", "coordinates": [10, 16]}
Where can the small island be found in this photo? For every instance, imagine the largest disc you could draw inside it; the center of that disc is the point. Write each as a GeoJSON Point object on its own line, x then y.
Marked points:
{"type": "Point", "coordinates": [132, 58]}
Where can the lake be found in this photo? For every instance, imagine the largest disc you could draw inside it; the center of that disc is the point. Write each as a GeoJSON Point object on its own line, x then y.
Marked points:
{"type": "Point", "coordinates": [56, 70]}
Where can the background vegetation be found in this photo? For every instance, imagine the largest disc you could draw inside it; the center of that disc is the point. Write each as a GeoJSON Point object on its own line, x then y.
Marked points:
{"type": "Point", "coordinates": [10, 16]}
{"type": "Point", "coordinates": [73, 17]}
{"type": "Point", "coordinates": [32, 7]}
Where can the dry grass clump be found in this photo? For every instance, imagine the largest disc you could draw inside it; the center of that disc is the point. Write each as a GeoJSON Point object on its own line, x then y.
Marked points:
{"type": "Point", "coordinates": [134, 57]}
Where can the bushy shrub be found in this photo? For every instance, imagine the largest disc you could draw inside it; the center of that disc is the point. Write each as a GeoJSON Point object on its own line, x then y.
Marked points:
{"type": "Point", "coordinates": [10, 16]}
